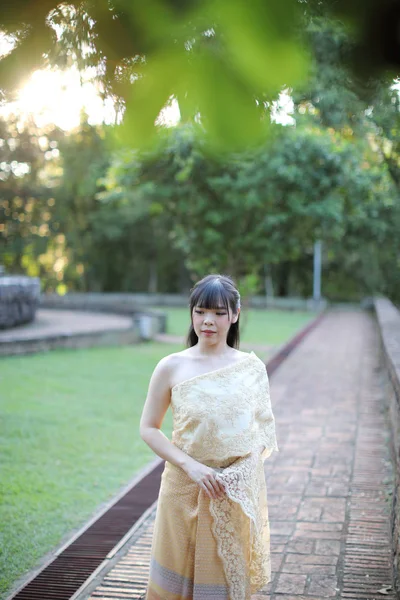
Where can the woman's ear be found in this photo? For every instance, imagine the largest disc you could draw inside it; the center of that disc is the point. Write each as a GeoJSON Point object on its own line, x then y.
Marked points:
{"type": "Point", "coordinates": [235, 316]}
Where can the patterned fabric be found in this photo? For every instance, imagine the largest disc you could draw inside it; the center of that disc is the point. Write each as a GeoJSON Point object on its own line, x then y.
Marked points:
{"type": "Point", "coordinates": [219, 548]}
{"type": "Point", "coordinates": [224, 413]}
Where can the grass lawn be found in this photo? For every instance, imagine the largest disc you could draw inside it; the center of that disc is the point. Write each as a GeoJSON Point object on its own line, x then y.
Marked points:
{"type": "Point", "coordinates": [256, 326]}
{"type": "Point", "coordinates": [69, 434]}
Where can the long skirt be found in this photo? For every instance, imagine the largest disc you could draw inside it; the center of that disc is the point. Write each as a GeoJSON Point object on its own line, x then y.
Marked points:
{"type": "Point", "coordinates": [211, 549]}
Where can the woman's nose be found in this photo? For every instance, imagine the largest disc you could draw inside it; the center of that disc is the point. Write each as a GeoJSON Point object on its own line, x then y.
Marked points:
{"type": "Point", "coordinates": [208, 318]}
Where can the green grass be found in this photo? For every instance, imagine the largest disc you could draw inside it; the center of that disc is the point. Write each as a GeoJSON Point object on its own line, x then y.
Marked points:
{"type": "Point", "coordinates": [68, 442]}
{"type": "Point", "coordinates": [69, 434]}
{"type": "Point", "coordinates": [257, 326]}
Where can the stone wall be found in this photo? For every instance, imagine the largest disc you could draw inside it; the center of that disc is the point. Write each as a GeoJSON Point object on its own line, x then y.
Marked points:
{"type": "Point", "coordinates": [388, 317]}
{"type": "Point", "coordinates": [19, 298]}
{"type": "Point", "coordinates": [73, 341]}
{"type": "Point", "coordinates": [140, 302]}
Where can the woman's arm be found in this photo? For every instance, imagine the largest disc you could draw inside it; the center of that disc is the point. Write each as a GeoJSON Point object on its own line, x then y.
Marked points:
{"type": "Point", "coordinates": [155, 407]}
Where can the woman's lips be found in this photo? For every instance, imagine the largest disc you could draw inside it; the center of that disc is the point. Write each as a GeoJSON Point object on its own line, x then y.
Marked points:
{"type": "Point", "coordinates": [208, 332]}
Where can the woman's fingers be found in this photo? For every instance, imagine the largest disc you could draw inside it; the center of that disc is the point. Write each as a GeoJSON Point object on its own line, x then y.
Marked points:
{"type": "Point", "coordinates": [209, 483]}
{"type": "Point", "coordinates": [214, 486]}
{"type": "Point", "coordinates": [220, 487]}
{"type": "Point", "coordinates": [209, 488]}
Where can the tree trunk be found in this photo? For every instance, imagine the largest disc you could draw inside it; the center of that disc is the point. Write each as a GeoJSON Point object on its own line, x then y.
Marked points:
{"type": "Point", "coordinates": [283, 273]}
{"type": "Point", "coordinates": [153, 277]}
{"type": "Point", "coordinates": [184, 279]}
{"type": "Point", "coordinates": [268, 283]}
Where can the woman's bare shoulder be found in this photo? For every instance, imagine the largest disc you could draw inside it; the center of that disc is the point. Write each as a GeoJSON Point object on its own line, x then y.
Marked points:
{"type": "Point", "coordinates": [173, 366]}
{"type": "Point", "coordinates": [171, 361]}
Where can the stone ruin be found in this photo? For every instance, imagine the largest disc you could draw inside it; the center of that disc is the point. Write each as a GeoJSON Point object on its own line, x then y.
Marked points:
{"type": "Point", "coordinates": [19, 298]}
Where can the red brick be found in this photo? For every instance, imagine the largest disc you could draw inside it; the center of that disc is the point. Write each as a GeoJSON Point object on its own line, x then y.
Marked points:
{"type": "Point", "coordinates": [327, 547]}
{"type": "Point", "coordinates": [312, 559]}
{"type": "Point", "coordinates": [324, 586]}
{"type": "Point", "coordinates": [301, 546]}
{"type": "Point", "coordinates": [289, 584]}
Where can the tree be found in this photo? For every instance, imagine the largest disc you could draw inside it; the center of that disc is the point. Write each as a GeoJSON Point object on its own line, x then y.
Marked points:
{"type": "Point", "coordinates": [367, 117]}
{"type": "Point", "coordinates": [224, 61]}
{"type": "Point", "coordinates": [131, 233]}
{"type": "Point", "coordinates": [30, 239]}
{"type": "Point", "coordinates": [85, 157]}
{"type": "Point", "coordinates": [264, 207]}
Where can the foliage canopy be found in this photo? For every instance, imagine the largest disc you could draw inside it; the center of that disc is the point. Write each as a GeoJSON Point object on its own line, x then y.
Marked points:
{"type": "Point", "coordinates": [223, 62]}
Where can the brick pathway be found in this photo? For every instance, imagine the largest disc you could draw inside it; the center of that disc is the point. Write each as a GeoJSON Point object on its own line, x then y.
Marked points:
{"type": "Point", "coordinates": [328, 487]}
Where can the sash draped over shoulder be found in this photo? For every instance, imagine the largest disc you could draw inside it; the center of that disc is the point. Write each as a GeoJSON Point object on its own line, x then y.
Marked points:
{"type": "Point", "coordinates": [224, 413]}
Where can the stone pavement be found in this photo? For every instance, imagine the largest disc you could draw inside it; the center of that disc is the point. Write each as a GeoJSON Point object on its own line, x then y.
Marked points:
{"type": "Point", "coordinates": [329, 486]}
{"type": "Point", "coordinates": [55, 322]}
{"type": "Point", "coordinates": [53, 328]}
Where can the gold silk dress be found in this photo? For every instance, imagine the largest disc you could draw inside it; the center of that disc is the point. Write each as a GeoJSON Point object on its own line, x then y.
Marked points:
{"type": "Point", "coordinates": [216, 549]}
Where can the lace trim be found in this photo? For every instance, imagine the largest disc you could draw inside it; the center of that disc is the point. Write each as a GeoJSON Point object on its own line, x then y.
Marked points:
{"type": "Point", "coordinates": [237, 515]}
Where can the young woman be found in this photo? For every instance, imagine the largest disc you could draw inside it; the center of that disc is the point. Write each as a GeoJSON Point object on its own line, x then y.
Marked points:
{"type": "Point", "coordinates": [211, 534]}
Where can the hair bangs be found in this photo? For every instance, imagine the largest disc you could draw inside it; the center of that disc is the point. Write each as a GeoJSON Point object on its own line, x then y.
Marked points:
{"type": "Point", "coordinates": [212, 295]}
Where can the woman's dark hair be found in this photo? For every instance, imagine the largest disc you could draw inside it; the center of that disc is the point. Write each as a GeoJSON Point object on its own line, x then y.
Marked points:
{"type": "Point", "coordinates": [211, 292]}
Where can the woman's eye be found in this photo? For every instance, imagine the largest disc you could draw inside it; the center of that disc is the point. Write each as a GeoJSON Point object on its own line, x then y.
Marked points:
{"type": "Point", "coordinates": [219, 314]}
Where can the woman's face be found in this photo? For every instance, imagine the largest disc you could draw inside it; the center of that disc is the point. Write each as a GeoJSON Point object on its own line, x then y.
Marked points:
{"type": "Point", "coordinates": [211, 325]}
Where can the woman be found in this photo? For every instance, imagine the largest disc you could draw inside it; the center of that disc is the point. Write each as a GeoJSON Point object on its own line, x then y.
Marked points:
{"type": "Point", "coordinates": [211, 533]}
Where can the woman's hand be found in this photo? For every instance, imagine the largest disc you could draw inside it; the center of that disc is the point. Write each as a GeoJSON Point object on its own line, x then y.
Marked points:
{"type": "Point", "coordinates": [205, 477]}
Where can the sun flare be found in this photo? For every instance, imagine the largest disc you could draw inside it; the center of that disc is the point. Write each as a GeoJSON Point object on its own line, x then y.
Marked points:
{"type": "Point", "coordinates": [59, 97]}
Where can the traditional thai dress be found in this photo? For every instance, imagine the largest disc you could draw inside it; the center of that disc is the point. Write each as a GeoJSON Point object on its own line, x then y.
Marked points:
{"type": "Point", "coordinates": [216, 549]}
